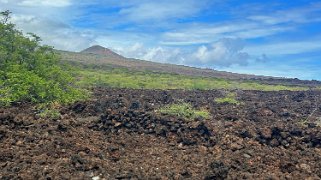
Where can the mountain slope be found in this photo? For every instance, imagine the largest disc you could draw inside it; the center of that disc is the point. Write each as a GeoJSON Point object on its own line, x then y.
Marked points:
{"type": "Point", "coordinates": [98, 55]}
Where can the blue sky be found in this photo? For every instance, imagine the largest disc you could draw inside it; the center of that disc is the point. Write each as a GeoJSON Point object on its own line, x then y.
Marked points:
{"type": "Point", "coordinates": [276, 38]}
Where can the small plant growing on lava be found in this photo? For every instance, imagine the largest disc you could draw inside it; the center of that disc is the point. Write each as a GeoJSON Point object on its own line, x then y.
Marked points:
{"type": "Point", "coordinates": [184, 110]}
{"type": "Point", "coordinates": [50, 113]}
{"type": "Point", "coordinates": [230, 98]}
{"type": "Point", "coordinates": [48, 110]}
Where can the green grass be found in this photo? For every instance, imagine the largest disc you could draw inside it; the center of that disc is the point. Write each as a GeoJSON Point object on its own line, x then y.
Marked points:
{"type": "Point", "coordinates": [123, 78]}
{"type": "Point", "coordinates": [184, 110]}
{"type": "Point", "coordinates": [229, 99]}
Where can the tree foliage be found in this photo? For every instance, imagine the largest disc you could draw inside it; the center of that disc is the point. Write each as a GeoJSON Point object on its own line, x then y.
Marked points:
{"type": "Point", "coordinates": [29, 71]}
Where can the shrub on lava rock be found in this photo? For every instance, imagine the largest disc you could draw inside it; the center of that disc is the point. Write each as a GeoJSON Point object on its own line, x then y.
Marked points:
{"type": "Point", "coordinates": [184, 110]}
{"type": "Point", "coordinates": [229, 99]}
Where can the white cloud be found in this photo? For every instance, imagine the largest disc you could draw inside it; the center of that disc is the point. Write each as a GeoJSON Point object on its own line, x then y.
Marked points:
{"type": "Point", "coordinates": [151, 10]}
{"type": "Point", "coordinates": [251, 27]}
{"type": "Point", "coordinates": [49, 20]}
{"type": "Point", "coordinates": [305, 14]}
{"type": "Point", "coordinates": [147, 10]}
{"type": "Point", "coordinates": [52, 3]}
{"type": "Point", "coordinates": [205, 33]}
{"type": "Point", "coordinates": [37, 3]}
{"type": "Point", "coordinates": [224, 52]}
{"type": "Point", "coordinates": [284, 48]}
{"type": "Point", "coordinates": [165, 55]}
{"type": "Point", "coordinates": [259, 32]}
{"type": "Point", "coordinates": [136, 50]}
{"type": "Point", "coordinates": [159, 54]}
{"type": "Point", "coordinates": [54, 33]}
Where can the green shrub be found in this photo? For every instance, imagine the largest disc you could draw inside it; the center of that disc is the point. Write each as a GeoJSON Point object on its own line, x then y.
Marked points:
{"type": "Point", "coordinates": [184, 110]}
{"type": "Point", "coordinates": [49, 113]}
{"type": "Point", "coordinates": [31, 72]}
{"type": "Point", "coordinates": [48, 110]}
{"type": "Point", "coordinates": [229, 99]}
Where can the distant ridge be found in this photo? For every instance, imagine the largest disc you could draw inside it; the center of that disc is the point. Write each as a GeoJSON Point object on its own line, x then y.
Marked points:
{"type": "Point", "coordinates": [98, 55]}
{"type": "Point", "coordinates": [99, 50]}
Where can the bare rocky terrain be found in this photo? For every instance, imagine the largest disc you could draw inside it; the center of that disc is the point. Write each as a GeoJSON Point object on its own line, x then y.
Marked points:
{"type": "Point", "coordinates": [119, 134]}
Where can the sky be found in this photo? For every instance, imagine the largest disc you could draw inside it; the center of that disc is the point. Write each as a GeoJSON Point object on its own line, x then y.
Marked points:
{"type": "Point", "coordinates": [274, 38]}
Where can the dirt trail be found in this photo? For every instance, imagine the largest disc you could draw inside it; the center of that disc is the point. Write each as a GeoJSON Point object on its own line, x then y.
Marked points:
{"type": "Point", "coordinates": [118, 135]}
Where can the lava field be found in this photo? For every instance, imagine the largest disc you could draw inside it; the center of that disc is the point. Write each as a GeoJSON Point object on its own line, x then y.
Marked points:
{"type": "Point", "coordinates": [119, 134]}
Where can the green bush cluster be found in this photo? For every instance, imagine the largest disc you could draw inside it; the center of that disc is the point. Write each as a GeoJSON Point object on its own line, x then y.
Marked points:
{"type": "Point", "coordinates": [229, 99]}
{"type": "Point", "coordinates": [31, 72]}
{"type": "Point", "coordinates": [184, 110]}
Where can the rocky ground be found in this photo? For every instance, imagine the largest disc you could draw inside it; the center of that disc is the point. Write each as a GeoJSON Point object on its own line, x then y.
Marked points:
{"type": "Point", "coordinates": [119, 134]}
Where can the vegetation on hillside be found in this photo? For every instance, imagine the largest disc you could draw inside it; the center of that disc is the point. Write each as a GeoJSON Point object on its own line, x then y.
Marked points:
{"type": "Point", "coordinates": [123, 78]}
{"type": "Point", "coordinates": [30, 72]}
